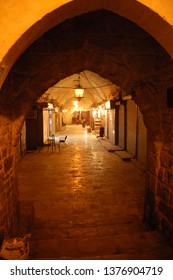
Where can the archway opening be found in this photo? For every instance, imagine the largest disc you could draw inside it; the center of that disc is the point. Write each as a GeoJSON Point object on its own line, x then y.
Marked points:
{"type": "Point", "coordinates": [113, 49]}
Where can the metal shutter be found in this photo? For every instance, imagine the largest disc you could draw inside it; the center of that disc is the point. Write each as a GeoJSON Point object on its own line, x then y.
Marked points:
{"type": "Point", "coordinates": [121, 126]}
{"type": "Point", "coordinates": [111, 130]}
{"type": "Point", "coordinates": [106, 123]}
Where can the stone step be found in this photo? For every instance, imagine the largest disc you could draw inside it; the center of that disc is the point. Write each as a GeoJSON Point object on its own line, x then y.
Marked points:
{"type": "Point", "coordinates": [124, 155]}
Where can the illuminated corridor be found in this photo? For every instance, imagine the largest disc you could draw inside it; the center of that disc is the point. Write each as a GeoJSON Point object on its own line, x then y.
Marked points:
{"type": "Point", "coordinates": [85, 69]}
{"type": "Point", "coordinates": [85, 202]}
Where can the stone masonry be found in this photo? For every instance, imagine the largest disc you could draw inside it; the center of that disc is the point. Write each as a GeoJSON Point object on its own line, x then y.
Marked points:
{"type": "Point", "coordinates": [120, 51]}
{"type": "Point", "coordinates": [8, 180]}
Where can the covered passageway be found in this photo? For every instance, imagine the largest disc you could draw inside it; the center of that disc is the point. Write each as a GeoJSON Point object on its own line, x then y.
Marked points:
{"type": "Point", "coordinates": [126, 50]}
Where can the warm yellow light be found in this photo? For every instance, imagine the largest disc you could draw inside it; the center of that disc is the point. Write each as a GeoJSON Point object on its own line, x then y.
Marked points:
{"type": "Point", "coordinates": [94, 113]}
{"type": "Point", "coordinates": [75, 104]}
{"type": "Point", "coordinates": [50, 106]}
{"type": "Point", "coordinates": [107, 105]}
{"type": "Point", "coordinates": [79, 93]}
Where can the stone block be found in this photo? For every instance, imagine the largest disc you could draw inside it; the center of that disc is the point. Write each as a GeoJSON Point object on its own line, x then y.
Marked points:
{"type": "Point", "coordinates": [150, 198]}
{"type": "Point", "coordinates": [4, 152]}
{"type": "Point", "coordinates": [163, 207]}
{"type": "Point", "coordinates": [153, 164]}
{"type": "Point", "coordinates": [171, 148]}
{"type": "Point", "coordinates": [169, 213]}
{"type": "Point", "coordinates": [152, 182]}
{"type": "Point", "coordinates": [171, 197]}
{"type": "Point", "coordinates": [8, 163]}
{"type": "Point", "coordinates": [155, 146]}
{"type": "Point", "coordinates": [169, 178]}
{"type": "Point", "coordinates": [165, 228]}
{"type": "Point", "coordinates": [170, 160]}
{"type": "Point", "coordinates": [163, 191]}
{"type": "Point", "coordinates": [164, 159]}
{"type": "Point", "coordinates": [2, 234]}
{"type": "Point", "coordinates": [161, 174]}
{"type": "Point", "coordinates": [170, 235]}
{"type": "Point", "coordinates": [1, 181]}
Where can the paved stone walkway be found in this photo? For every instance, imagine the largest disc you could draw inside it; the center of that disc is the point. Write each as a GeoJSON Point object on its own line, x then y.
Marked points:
{"type": "Point", "coordinates": [84, 202]}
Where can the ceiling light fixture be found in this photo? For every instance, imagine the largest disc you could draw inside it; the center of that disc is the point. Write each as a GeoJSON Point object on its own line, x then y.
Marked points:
{"type": "Point", "coordinates": [79, 91]}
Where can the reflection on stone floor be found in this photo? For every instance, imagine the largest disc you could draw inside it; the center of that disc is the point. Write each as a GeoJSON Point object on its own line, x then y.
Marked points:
{"type": "Point", "coordinates": [83, 202]}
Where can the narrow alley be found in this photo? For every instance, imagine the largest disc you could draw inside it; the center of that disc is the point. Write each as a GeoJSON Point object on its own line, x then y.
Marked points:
{"type": "Point", "coordinates": [83, 202]}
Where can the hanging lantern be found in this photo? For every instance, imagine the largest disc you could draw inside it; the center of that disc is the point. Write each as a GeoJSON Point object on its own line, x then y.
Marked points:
{"type": "Point", "coordinates": [79, 91]}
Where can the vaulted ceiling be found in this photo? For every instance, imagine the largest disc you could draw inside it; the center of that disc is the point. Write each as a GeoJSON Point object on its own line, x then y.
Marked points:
{"type": "Point", "coordinates": [32, 21]}
{"type": "Point", "coordinates": [97, 90]}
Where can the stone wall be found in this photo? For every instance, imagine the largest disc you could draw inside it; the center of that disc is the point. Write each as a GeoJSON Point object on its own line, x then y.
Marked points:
{"type": "Point", "coordinates": [159, 189]}
{"type": "Point", "coordinates": [120, 51]}
{"type": "Point", "coordinates": [158, 208]}
{"type": "Point", "coordinates": [8, 179]}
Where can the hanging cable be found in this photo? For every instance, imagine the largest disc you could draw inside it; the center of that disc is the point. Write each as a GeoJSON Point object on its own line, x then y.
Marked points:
{"type": "Point", "coordinates": [94, 88]}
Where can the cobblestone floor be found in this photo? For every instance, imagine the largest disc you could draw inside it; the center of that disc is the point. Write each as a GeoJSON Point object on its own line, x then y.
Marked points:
{"type": "Point", "coordinates": [83, 202]}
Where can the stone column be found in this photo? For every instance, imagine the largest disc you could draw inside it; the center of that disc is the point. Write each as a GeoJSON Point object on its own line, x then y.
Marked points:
{"type": "Point", "coordinates": [152, 172]}
{"type": "Point", "coordinates": [8, 181]}
{"type": "Point", "coordinates": [158, 206]}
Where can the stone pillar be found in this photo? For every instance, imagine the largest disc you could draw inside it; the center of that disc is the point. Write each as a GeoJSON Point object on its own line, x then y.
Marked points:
{"type": "Point", "coordinates": [8, 181]}
{"type": "Point", "coordinates": [165, 192]}
{"type": "Point", "coordinates": [158, 206]}
{"type": "Point", "coordinates": [152, 172]}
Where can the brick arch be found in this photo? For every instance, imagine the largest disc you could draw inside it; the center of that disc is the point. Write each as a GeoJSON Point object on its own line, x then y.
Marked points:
{"type": "Point", "coordinates": [143, 73]}
{"type": "Point", "coordinates": [135, 11]}
{"type": "Point", "coordinates": [131, 63]}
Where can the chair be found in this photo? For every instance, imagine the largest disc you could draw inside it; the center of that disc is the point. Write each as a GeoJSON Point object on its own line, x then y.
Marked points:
{"type": "Point", "coordinates": [62, 139]}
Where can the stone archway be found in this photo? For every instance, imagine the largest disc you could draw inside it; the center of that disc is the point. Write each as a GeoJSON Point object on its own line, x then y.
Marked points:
{"type": "Point", "coordinates": [128, 57]}
{"type": "Point", "coordinates": [35, 21]}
